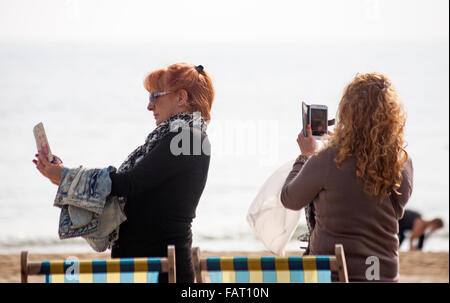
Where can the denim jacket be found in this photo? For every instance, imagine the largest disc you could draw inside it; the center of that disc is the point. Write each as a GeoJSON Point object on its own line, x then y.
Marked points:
{"type": "Point", "coordinates": [87, 209]}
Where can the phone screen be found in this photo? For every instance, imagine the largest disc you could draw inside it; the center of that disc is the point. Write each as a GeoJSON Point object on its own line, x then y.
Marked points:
{"type": "Point", "coordinates": [319, 122]}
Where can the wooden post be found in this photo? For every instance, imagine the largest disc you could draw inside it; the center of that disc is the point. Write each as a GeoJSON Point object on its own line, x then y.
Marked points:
{"type": "Point", "coordinates": [197, 267]}
{"type": "Point", "coordinates": [340, 258]}
{"type": "Point", "coordinates": [24, 266]}
{"type": "Point", "coordinates": [171, 264]}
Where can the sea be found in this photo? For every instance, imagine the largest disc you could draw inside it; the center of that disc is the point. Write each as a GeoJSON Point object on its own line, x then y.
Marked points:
{"type": "Point", "coordinates": [91, 100]}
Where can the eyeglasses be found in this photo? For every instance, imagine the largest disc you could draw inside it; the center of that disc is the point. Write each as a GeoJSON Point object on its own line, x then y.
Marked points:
{"type": "Point", "coordinates": [155, 95]}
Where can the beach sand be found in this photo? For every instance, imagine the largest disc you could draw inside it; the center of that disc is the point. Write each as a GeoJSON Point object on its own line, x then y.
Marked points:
{"type": "Point", "coordinates": [416, 266]}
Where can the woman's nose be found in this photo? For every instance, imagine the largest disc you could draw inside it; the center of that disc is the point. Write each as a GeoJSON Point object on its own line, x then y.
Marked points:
{"type": "Point", "coordinates": [150, 106]}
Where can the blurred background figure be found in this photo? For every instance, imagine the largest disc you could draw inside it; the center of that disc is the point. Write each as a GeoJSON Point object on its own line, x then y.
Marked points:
{"type": "Point", "coordinates": [420, 228]}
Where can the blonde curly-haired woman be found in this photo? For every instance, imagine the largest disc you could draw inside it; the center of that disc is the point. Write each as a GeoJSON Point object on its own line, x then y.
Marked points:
{"type": "Point", "coordinates": [359, 183]}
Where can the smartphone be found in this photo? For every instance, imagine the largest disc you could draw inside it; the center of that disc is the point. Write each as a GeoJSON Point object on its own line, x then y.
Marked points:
{"type": "Point", "coordinates": [318, 117]}
{"type": "Point", "coordinates": [41, 141]}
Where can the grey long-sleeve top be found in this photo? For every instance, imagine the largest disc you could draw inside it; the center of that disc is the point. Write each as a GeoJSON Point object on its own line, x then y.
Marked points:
{"type": "Point", "coordinates": [344, 214]}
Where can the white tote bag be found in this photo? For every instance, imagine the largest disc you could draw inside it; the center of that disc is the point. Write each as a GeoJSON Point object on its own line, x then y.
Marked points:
{"type": "Point", "coordinates": [273, 224]}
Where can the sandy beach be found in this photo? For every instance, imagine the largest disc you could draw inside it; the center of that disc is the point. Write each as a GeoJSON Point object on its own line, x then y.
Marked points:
{"type": "Point", "coordinates": [416, 266]}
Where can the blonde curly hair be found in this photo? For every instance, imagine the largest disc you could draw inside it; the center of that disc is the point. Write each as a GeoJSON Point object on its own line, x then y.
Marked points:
{"type": "Point", "coordinates": [370, 127]}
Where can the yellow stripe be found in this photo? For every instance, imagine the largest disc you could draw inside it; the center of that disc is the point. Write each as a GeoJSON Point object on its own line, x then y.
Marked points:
{"type": "Point", "coordinates": [227, 268]}
{"type": "Point", "coordinates": [86, 278]}
{"type": "Point", "coordinates": [228, 277]}
{"type": "Point", "coordinates": [310, 269]}
{"type": "Point", "coordinates": [254, 268]}
{"type": "Point", "coordinates": [113, 271]}
{"type": "Point", "coordinates": [57, 271]}
{"type": "Point", "coordinates": [86, 275]}
{"type": "Point", "coordinates": [226, 264]}
{"type": "Point", "coordinates": [140, 271]}
{"type": "Point", "coordinates": [56, 267]}
{"type": "Point", "coordinates": [57, 279]}
{"type": "Point", "coordinates": [256, 276]}
{"type": "Point", "coordinates": [254, 264]}
{"type": "Point", "coordinates": [282, 270]}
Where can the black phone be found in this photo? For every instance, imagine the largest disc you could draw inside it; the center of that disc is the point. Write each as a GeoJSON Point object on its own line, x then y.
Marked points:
{"type": "Point", "coordinates": [316, 116]}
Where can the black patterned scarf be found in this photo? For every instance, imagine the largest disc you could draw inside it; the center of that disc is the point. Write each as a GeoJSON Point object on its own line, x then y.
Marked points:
{"type": "Point", "coordinates": [171, 124]}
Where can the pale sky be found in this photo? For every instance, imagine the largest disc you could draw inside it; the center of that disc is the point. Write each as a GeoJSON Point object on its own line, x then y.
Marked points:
{"type": "Point", "coordinates": [223, 20]}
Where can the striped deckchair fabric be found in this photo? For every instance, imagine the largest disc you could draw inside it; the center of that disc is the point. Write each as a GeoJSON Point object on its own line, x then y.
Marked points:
{"type": "Point", "coordinates": [294, 269]}
{"type": "Point", "coordinates": [124, 270]}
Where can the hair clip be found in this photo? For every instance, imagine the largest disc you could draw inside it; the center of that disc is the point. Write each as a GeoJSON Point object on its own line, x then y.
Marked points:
{"type": "Point", "coordinates": [199, 68]}
{"type": "Point", "coordinates": [382, 86]}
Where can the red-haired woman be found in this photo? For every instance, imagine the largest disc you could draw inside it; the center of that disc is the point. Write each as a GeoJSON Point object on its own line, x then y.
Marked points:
{"type": "Point", "coordinates": [359, 183]}
{"type": "Point", "coordinates": [162, 180]}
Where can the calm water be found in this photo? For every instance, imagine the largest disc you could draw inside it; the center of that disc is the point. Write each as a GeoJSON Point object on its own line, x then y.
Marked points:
{"type": "Point", "coordinates": [93, 106]}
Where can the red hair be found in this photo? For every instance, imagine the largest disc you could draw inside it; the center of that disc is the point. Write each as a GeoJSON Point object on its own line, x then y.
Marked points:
{"type": "Point", "coordinates": [185, 76]}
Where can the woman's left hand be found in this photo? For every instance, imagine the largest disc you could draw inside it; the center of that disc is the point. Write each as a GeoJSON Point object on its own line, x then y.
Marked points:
{"type": "Point", "coordinates": [51, 170]}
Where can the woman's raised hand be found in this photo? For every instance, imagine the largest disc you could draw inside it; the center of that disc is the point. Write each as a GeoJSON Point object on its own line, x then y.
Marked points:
{"type": "Point", "coordinates": [307, 144]}
{"type": "Point", "coordinates": [51, 170]}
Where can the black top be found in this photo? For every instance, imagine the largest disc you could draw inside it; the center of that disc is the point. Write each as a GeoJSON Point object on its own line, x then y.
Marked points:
{"type": "Point", "coordinates": [407, 221]}
{"type": "Point", "coordinates": [162, 192]}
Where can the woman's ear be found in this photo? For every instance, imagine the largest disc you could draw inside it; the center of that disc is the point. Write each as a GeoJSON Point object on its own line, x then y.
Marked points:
{"type": "Point", "coordinates": [182, 97]}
